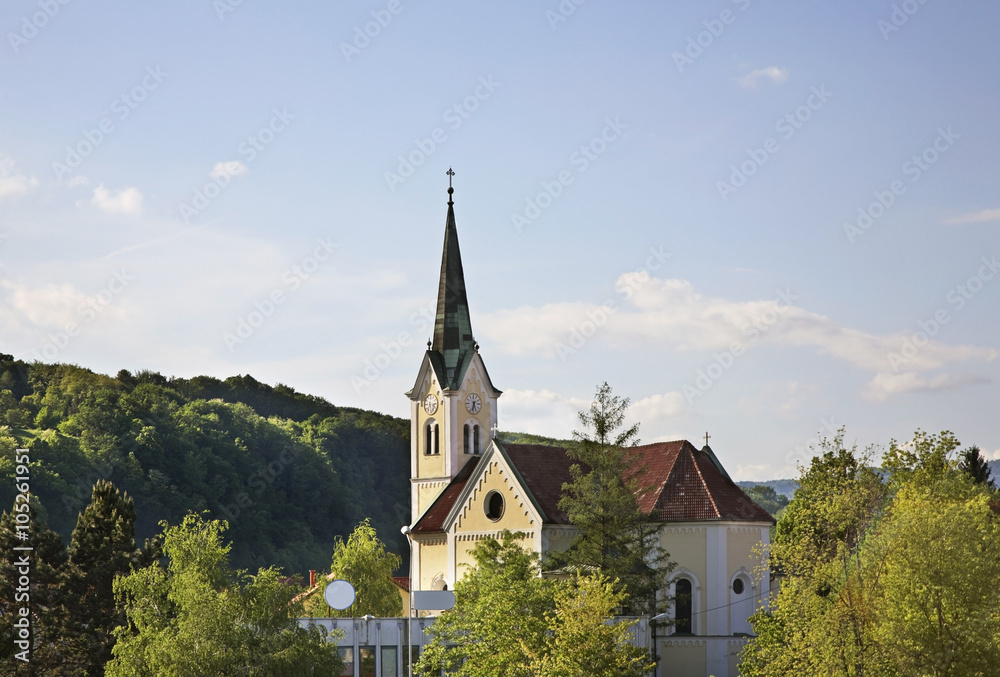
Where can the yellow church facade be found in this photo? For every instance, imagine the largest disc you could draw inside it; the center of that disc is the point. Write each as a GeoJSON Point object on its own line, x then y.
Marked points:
{"type": "Point", "coordinates": [466, 486]}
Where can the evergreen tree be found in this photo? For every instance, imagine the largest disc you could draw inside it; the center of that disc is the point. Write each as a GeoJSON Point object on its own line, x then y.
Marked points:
{"type": "Point", "coordinates": [972, 463]}
{"type": "Point", "coordinates": [55, 649]}
{"type": "Point", "coordinates": [602, 501]}
{"type": "Point", "coordinates": [102, 547]}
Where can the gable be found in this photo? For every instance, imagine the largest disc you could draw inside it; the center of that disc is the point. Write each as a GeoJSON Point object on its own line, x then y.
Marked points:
{"type": "Point", "coordinates": [495, 478]}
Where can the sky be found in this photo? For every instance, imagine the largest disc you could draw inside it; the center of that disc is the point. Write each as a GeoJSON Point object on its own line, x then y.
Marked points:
{"type": "Point", "coordinates": [760, 220]}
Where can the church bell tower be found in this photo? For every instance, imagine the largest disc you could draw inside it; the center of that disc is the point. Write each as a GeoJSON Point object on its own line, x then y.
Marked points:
{"type": "Point", "coordinates": [453, 404]}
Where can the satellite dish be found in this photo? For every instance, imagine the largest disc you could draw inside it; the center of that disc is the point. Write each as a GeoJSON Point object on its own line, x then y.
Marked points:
{"type": "Point", "coordinates": [339, 594]}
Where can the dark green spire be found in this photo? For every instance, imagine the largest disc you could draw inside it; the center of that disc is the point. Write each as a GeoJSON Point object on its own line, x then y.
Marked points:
{"type": "Point", "coordinates": [452, 325]}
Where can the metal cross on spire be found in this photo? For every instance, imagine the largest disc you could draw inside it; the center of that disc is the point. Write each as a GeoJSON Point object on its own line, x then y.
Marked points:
{"type": "Point", "coordinates": [707, 436]}
{"type": "Point", "coordinates": [450, 174]}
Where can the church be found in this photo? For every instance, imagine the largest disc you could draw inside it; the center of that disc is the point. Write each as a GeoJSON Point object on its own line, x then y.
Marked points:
{"type": "Point", "coordinates": [466, 485]}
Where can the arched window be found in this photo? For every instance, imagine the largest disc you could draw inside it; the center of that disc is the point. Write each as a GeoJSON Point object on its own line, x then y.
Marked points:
{"type": "Point", "coordinates": [467, 449]}
{"type": "Point", "coordinates": [475, 435]}
{"type": "Point", "coordinates": [431, 438]}
{"type": "Point", "coordinates": [682, 607]}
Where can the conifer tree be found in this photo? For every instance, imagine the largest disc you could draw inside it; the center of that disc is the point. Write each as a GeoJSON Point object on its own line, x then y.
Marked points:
{"type": "Point", "coordinates": [102, 547]}
{"type": "Point", "coordinates": [602, 501]}
{"type": "Point", "coordinates": [56, 649]}
{"type": "Point", "coordinates": [971, 462]}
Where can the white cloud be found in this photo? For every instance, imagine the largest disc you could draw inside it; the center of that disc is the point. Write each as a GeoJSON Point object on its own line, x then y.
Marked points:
{"type": "Point", "coordinates": [885, 385]}
{"type": "Point", "coordinates": [230, 168]}
{"type": "Point", "coordinates": [127, 200]}
{"type": "Point", "coordinates": [13, 182]}
{"type": "Point", "coordinates": [78, 181]}
{"type": "Point", "coordinates": [51, 305]}
{"type": "Point", "coordinates": [658, 407]}
{"type": "Point", "coordinates": [976, 217]}
{"type": "Point", "coordinates": [669, 313]}
{"type": "Point", "coordinates": [772, 73]}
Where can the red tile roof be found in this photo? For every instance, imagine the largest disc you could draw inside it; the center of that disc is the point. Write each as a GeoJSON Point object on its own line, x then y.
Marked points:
{"type": "Point", "coordinates": [685, 485]}
{"type": "Point", "coordinates": [432, 521]}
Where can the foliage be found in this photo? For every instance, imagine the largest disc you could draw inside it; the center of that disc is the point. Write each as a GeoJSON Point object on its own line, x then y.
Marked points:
{"type": "Point", "coordinates": [510, 622]}
{"type": "Point", "coordinates": [767, 498]}
{"type": "Point", "coordinates": [56, 649]}
{"type": "Point", "coordinates": [498, 623]}
{"type": "Point", "coordinates": [883, 577]}
{"type": "Point", "coordinates": [102, 547]}
{"type": "Point", "coordinates": [288, 471]}
{"type": "Point", "coordinates": [615, 536]}
{"type": "Point", "coordinates": [581, 642]}
{"type": "Point", "coordinates": [199, 617]}
{"type": "Point", "coordinates": [362, 561]}
{"type": "Point", "coordinates": [976, 467]}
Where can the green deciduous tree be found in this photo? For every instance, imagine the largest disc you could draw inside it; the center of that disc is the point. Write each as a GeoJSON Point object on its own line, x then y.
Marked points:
{"type": "Point", "coordinates": [886, 578]}
{"type": "Point", "coordinates": [198, 617]}
{"type": "Point", "coordinates": [498, 623]}
{"type": "Point", "coordinates": [581, 642]}
{"type": "Point", "coordinates": [510, 622]}
{"type": "Point", "coordinates": [602, 501]}
{"type": "Point", "coordinates": [767, 498]}
{"type": "Point", "coordinates": [362, 560]}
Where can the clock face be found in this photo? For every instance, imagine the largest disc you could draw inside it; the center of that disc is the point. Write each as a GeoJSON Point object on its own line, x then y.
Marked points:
{"type": "Point", "coordinates": [473, 404]}
{"type": "Point", "coordinates": [431, 404]}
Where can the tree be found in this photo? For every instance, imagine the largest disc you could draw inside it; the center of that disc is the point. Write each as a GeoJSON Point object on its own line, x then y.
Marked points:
{"type": "Point", "coordinates": [363, 562]}
{"type": "Point", "coordinates": [975, 466]}
{"type": "Point", "coordinates": [498, 624]}
{"type": "Point", "coordinates": [56, 648]}
{"type": "Point", "coordinates": [767, 498]}
{"type": "Point", "coordinates": [580, 641]}
{"type": "Point", "coordinates": [199, 617]}
{"type": "Point", "coordinates": [102, 547]}
{"type": "Point", "coordinates": [602, 501]}
{"type": "Point", "coordinates": [937, 606]}
{"type": "Point", "coordinates": [883, 577]}
{"type": "Point", "coordinates": [819, 624]}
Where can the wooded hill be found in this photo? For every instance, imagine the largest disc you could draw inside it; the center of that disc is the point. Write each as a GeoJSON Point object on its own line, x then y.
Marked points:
{"type": "Point", "coordinates": [289, 471]}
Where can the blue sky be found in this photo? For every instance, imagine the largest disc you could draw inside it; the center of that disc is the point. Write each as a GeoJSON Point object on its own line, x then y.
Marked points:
{"type": "Point", "coordinates": [763, 220]}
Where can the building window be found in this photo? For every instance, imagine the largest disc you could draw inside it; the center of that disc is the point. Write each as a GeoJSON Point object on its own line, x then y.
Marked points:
{"type": "Point", "coordinates": [431, 438]}
{"type": "Point", "coordinates": [347, 655]}
{"type": "Point", "coordinates": [389, 662]}
{"type": "Point", "coordinates": [466, 447]}
{"type": "Point", "coordinates": [367, 656]}
{"type": "Point", "coordinates": [738, 586]}
{"type": "Point", "coordinates": [494, 506]}
{"type": "Point", "coordinates": [682, 606]}
{"type": "Point", "coordinates": [475, 436]}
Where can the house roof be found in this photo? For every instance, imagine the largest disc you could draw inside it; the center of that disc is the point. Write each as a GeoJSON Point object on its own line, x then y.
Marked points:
{"type": "Point", "coordinates": [685, 484]}
{"type": "Point", "coordinates": [433, 520]}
